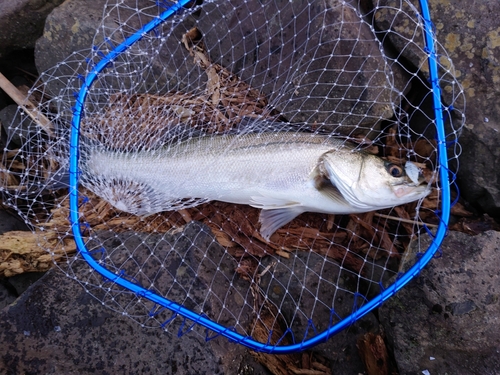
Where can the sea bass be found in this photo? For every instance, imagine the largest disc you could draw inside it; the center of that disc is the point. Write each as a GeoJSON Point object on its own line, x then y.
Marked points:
{"type": "Point", "coordinates": [282, 173]}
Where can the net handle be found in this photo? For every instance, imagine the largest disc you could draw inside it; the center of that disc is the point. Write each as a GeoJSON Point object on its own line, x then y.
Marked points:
{"type": "Point", "coordinates": [202, 320]}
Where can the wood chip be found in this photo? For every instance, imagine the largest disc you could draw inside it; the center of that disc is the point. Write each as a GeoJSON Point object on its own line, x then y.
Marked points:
{"type": "Point", "coordinates": [373, 352]}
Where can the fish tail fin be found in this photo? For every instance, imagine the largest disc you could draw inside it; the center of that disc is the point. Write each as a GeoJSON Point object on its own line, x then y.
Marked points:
{"type": "Point", "coordinates": [273, 219]}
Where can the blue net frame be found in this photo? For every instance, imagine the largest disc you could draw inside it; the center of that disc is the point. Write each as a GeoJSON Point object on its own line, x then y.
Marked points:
{"type": "Point", "coordinates": [211, 326]}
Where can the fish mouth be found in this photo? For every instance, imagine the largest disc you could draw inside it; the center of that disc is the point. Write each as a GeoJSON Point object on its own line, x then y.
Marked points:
{"type": "Point", "coordinates": [415, 185]}
{"type": "Point", "coordinates": [411, 190]}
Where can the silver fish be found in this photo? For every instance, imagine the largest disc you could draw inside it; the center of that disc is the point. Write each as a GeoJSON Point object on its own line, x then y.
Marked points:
{"type": "Point", "coordinates": [282, 173]}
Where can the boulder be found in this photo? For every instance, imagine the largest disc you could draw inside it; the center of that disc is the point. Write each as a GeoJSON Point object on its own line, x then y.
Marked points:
{"type": "Point", "coordinates": [338, 77]}
{"type": "Point", "coordinates": [469, 33]}
{"type": "Point", "coordinates": [57, 326]}
{"type": "Point", "coordinates": [74, 34]}
{"type": "Point", "coordinates": [10, 115]}
{"type": "Point", "coordinates": [21, 22]}
{"type": "Point", "coordinates": [69, 27]}
{"type": "Point", "coordinates": [447, 319]}
{"type": "Point", "coordinates": [317, 64]}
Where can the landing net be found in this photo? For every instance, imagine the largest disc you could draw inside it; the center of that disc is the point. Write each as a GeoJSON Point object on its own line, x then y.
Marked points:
{"type": "Point", "coordinates": [209, 74]}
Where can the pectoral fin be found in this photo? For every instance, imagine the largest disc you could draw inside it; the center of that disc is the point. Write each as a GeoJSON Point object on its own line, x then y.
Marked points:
{"type": "Point", "coordinates": [273, 219]}
{"type": "Point", "coordinates": [325, 187]}
{"type": "Point", "coordinates": [333, 193]}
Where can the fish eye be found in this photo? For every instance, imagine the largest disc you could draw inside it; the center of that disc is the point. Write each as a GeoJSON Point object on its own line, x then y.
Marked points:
{"type": "Point", "coordinates": [395, 170]}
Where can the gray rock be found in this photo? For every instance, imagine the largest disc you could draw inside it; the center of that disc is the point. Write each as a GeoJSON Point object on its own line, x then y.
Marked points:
{"type": "Point", "coordinates": [285, 67]}
{"type": "Point", "coordinates": [398, 24]}
{"type": "Point", "coordinates": [472, 42]}
{"type": "Point", "coordinates": [21, 22]}
{"type": "Point", "coordinates": [469, 33]}
{"type": "Point", "coordinates": [479, 176]}
{"type": "Point", "coordinates": [332, 73]}
{"type": "Point", "coordinates": [69, 27]}
{"type": "Point", "coordinates": [451, 312]}
{"type": "Point", "coordinates": [57, 327]}
{"type": "Point", "coordinates": [62, 50]}
{"type": "Point", "coordinates": [75, 28]}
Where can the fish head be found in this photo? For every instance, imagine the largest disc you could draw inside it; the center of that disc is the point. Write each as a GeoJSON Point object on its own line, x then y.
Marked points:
{"type": "Point", "coordinates": [368, 182]}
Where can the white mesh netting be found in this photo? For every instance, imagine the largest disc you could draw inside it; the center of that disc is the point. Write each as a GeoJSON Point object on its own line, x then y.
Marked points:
{"type": "Point", "coordinates": [269, 165]}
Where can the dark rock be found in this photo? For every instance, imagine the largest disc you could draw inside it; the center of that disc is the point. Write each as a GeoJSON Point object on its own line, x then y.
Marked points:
{"type": "Point", "coordinates": [20, 283]}
{"type": "Point", "coordinates": [470, 34]}
{"type": "Point", "coordinates": [451, 312]}
{"type": "Point", "coordinates": [16, 125]}
{"type": "Point", "coordinates": [478, 176]}
{"type": "Point", "coordinates": [66, 43]}
{"type": "Point", "coordinates": [332, 73]}
{"type": "Point", "coordinates": [56, 326]}
{"type": "Point", "coordinates": [67, 331]}
{"type": "Point", "coordinates": [349, 66]}
{"type": "Point", "coordinates": [460, 308]}
{"type": "Point", "coordinates": [7, 294]}
{"type": "Point", "coordinates": [10, 221]}
{"type": "Point", "coordinates": [306, 287]}
{"type": "Point", "coordinates": [21, 22]}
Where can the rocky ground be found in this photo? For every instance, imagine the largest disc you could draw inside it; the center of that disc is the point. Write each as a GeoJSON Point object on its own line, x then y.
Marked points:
{"type": "Point", "coordinates": [445, 321]}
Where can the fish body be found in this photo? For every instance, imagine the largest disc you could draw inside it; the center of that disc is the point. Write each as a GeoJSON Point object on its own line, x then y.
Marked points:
{"type": "Point", "coordinates": [282, 173]}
